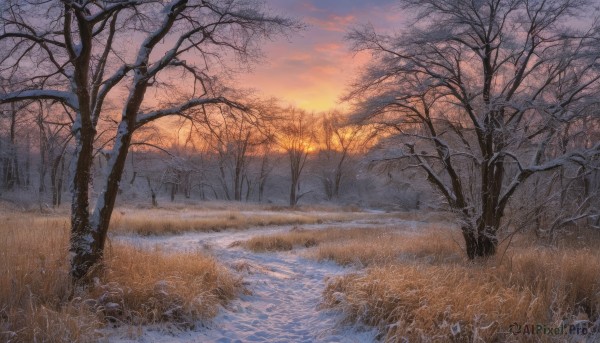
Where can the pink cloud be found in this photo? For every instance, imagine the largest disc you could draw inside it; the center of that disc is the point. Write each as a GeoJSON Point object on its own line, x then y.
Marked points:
{"type": "Point", "coordinates": [329, 47]}
{"type": "Point", "coordinates": [333, 22]}
{"type": "Point", "coordinates": [314, 68]}
{"type": "Point", "coordinates": [309, 6]}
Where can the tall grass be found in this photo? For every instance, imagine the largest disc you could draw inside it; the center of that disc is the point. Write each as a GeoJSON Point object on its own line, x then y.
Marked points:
{"type": "Point", "coordinates": [416, 285]}
{"type": "Point", "coordinates": [391, 246]}
{"type": "Point", "coordinates": [362, 246]}
{"type": "Point", "coordinates": [38, 303]}
{"type": "Point", "coordinates": [298, 237]}
{"type": "Point", "coordinates": [165, 222]}
{"type": "Point", "coordinates": [154, 224]}
{"type": "Point", "coordinates": [436, 296]}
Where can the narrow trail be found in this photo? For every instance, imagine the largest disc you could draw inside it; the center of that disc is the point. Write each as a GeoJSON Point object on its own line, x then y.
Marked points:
{"type": "Point", "coordinates": [285, 288]}
{"type": "Point", "coordinates": [286, 291]}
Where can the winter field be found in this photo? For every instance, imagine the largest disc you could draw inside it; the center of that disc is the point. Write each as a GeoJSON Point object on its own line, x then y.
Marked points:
{"type": "Point", "coordinates": [254, 273]}
{"type": "Point", "coordinates": [299, 171]}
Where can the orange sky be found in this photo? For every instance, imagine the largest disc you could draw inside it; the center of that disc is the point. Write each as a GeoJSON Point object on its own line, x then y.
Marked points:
{"type": "Point", "coordinates": [313, 68]}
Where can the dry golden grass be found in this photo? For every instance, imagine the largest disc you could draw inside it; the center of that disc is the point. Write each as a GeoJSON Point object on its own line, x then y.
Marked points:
{"type": "Point", "coordinates": [298, 237]}
{"type": "Point", "coordinates": [154, 224]}
{"type": "Point", "coordinates": [37, 302]}
{"type": "Point", "coordinates": [430, 246]}
{"type": "Point", "coordinates": [151, 287]}
{"type": "Point", "coordinates": [429, 217]}
{"type": "Point", "coordinates": [34, 284]}
{"type": "Point", "coordinates": [221, 205]}
{"type": "Point", "coordinates": [421, 299]}
{"type": "Point", "coordinates": [418, 286]}
{"type": "Point", "coordinates": [165, 222]}
{"type": "Point", "coordinates": [363, 246]}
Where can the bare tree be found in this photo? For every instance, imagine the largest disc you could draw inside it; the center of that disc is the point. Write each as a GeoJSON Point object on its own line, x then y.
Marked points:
{"type": "Point", "coordinates": [54, 139]}
{"type": "Point", "coordinates": [232, 138]}
{"type": "Point", "coordinates": [340, 142]}
{"type": "Point", "coordinates": [10, 163]}
{"type": "Point", "coordinates": [178, 173]}
{"type": "Point", "coordinates": [14, 115]}
{"type": "Point", "coordinates": [77, 52]}
{"type": "Point", "coordinates": [266, 160]}
{"type": "Point", "coordinates": [480, 93]}
{"type": "Point", "coordinates": [562, 199]}
{"type": "Point", "coordinates": [296, 135]}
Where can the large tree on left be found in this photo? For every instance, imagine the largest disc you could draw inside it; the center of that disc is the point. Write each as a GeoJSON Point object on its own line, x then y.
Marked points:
{"type": "Point", "coordinates": [82, 52]}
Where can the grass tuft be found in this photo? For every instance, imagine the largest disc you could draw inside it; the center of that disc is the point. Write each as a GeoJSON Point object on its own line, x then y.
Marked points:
{"type": "Point", "coordinates": [299, 237]}
{"type": "Point", "coordinates": [416, 285]}
{"type": "Point", "coordinates": [38, 303]}
{"type": "Point", "coordinates": [167, 222]}
{"type": "Point", "coordinates": [442, 298]}
{"type": "Point", "coordinates": [362, 246]}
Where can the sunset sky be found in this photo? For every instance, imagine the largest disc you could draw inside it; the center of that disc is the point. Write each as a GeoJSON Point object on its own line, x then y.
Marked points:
{"type": "Point", "coordinates": [312, 68]}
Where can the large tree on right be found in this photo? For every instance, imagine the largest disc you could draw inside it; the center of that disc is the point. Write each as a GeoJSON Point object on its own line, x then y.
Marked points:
{"type": "Point", "coordinates": [482, 94]}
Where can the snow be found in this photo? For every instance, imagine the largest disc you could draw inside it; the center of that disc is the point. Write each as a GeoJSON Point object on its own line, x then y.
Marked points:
{"type": "Point", "coordinates": [68, 98]}
{"type": "Point", "coordinates": [285, 288]}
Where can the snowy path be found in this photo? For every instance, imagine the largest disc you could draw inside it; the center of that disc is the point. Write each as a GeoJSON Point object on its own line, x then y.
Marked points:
{"type": "Point", "coordinates": [286, 291]}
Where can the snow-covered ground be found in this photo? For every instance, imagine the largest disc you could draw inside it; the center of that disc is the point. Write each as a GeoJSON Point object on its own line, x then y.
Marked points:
{"type": "Point", "coordinates": [285, 291]}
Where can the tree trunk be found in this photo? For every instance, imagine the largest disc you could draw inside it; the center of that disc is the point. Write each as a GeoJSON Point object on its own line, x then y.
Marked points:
{"type": "Point", "coordinates": [84, 239]}
{"type": "Point", "coordinates": [248, 188]}
{"type": "Point", "coordinates": [11, 167]}
{"type": "Point", "coordinates": [2, 163]}
{"type": "Point", "coordinates": [16, 179]}
{"type": "Point", "coordinates": [482, 240]}
{"type": "Point", "coordinates": [296, 164]}
{"type": "Point", "coordinates": [43, 170]}
{"type": "Point", "coordinates": [57, 174]}
{"type": "Point", "coordinates": [337, 184]}
{"type": "Point", "coordinates": [339, 174]}
{"type": "Point", "coordinates": [133, 178]}
{"type": "Point", "coordinates": [293, 192]}
{"type": "Point", "coordinates": [327, 186]}
{"type": "Point", "coordinates": [238, 182]}
{"type": "Point", "coordinates": [479, 244]}
{"type": "Point", "coordinates": [152, 192]}
{"type": "Point", "coordinates": [223, 179]}
{"type": "Point", "coordinates": [96, 228]}
{"type": "Point", "coordinates": [261, 190]}
{"type": "Point", "coordinates": [28, 163]}
{"type": "Point", "coordinates": [202, 194]}
{"type": "Point", "coordinates": [187, 190]}
{"type": "Point", "coordinates": [262, 180]}
{"type": "Point", "coordinates": [59, 184]}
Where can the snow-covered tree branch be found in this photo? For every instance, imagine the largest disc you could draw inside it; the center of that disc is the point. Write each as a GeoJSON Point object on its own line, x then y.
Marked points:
{"type": "Point", "coordinates": [83, 53]}
{"type": "Point", "coordinates": [492, 86]}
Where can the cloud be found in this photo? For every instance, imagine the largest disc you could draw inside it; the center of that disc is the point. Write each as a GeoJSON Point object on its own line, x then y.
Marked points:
{"type": "Point", "coordinates": [329, 47]}
{"type": "Point", "coordinates": [346, 6]}
{"type": "Point", "coordinates": [314, 68]}
{"type": "Point", "coordinates": [333, 22]}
